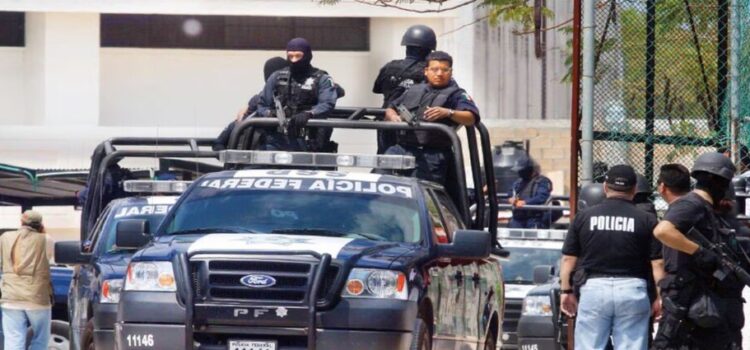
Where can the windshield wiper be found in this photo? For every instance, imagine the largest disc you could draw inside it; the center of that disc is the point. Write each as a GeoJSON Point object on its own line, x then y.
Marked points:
{"type": "Point", "coordinates": [231, 229]}
{"type": "Point", "coordinates": [326, 232]}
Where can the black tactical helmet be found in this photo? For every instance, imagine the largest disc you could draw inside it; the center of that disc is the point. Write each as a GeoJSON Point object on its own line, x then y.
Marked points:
{"type": "Point", "coordinates": [641, 186]}
{"type": "Point", "coordinates": [523, 162]}
{"type": "Point", "coordinates": [714, 163]}
{"type": "Point", "coordinates": [591, 195]}
{"type": "Point", "coordinates": [420, 36]}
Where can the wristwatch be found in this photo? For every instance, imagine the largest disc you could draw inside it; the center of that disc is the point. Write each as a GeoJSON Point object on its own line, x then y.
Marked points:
{"type": "Point", "coordinates": [452, 112]}
{"type": "Point", "coordinates": [566, 291]}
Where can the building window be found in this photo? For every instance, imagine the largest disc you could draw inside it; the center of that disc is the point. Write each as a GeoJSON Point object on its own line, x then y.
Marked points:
{"type": "Point", "coordinates": [12, 29]}
{"type": "Point", "coordinates": [233, 32]}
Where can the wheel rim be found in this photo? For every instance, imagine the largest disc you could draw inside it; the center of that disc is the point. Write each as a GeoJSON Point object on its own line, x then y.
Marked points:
{"type": "Point", "coordinates": [58, 342]}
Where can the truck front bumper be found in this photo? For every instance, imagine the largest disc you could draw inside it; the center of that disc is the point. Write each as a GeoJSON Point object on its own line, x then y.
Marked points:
{"type": "Point", "coordinates": [174, 337]}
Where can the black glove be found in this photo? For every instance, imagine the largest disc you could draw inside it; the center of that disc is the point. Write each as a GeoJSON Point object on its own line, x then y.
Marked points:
{"type": "Point", "coordinates": [297, 122]}
{"type": "Point", "coordinates": [706, 259]}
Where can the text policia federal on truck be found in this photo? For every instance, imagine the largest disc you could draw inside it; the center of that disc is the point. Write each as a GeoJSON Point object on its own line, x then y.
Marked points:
{"type": "Point", "coordinates": [303, 259]}
{"type": "Point", "coordinates": [102, 261]}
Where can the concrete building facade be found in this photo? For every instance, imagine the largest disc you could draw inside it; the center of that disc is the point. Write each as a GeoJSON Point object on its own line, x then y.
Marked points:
{"type": "Point", "coordinates": [62, 91]}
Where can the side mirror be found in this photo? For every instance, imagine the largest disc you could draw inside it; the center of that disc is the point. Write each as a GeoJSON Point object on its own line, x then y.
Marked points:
{"type": "Point", "coordinates": [542, 273]}
{"type": "Point", "coordinates": [69, 253]}
{"type": "Point", "coordinates": [467, 244]}
{"type": "Point", "coordinates": [132, 234]}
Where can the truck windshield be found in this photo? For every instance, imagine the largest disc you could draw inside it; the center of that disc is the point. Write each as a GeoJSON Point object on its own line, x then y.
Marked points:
{"type": "Point", "coordinates": [338, 214]}
{"type": "Point", "coordinates": [519, 269]}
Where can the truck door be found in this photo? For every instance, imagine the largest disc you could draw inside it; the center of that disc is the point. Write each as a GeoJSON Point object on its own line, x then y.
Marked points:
{"type": "Point", "coordinates": [79, 297]}
{"type": "Point", "coordinates": [445, 290]}
{"type": "Point", "coordinates": [469, 274]}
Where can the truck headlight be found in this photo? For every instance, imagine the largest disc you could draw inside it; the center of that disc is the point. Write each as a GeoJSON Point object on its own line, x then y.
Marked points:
{"type": "Point", "coordinates": [375, 283]}
{"type": "Point", "coordinates": [537, 305]}
{"type": "Point", "coordinates": [111, 291]}
{"type": "Point", "coordinates": [154, 276]}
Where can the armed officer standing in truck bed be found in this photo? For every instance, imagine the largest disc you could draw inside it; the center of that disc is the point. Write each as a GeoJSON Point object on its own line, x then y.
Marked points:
{"type": "Point", "coordinates": [611, 245]}
{"type": "Point", "coordinates": [305, 92]}
{"type": "Point", "coordinates": [700, 311]}
{"type": "Point", "coordinates": [439, 100]}
{"type": "Point", "coordinates": [398, 76]}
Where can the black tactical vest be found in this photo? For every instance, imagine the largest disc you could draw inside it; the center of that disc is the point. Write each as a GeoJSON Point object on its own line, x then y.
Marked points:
{"type": "Point", "coordinates": [417, 99]}
{"type": "Point", "coordinates": [399, 76]}
{"type": "Point", "coordinates": [298, 96]}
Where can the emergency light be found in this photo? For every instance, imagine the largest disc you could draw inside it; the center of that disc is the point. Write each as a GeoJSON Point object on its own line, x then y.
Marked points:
{"type": "Point", "coordinates": [531, 234]}
{"type": "Point", "coordinates": [310, 159]}
{"type": "Point", "coordinates": [153, 186]}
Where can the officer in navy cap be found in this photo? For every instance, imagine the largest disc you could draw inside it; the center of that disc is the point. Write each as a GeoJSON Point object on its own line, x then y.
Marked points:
{"type": "Point", "coordinates": [305, 92]}
{"type": "Point", "coordinates": [610, 247]}
{"type": "Point", "coordinates": [399, 75]}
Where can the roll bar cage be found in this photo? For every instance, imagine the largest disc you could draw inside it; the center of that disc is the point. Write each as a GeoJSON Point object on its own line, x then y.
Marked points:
{"type": "Point", "coordinates": [480, 152]}
{"type": "Point", "coordinates": [107, 154]}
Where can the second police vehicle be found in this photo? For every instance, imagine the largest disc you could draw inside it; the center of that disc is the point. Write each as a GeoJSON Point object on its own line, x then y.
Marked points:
{"type": "Point", "coordinates": [101, 264]}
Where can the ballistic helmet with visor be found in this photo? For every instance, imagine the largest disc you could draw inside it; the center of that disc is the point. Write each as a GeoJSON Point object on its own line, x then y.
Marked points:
{"type": "Point", "coordinates": [591, 195]}
{"type": "Point", "coordinates": [714, 163]}
{"type": "Point", "coordinates": [621, 178]}
{"type": "Point", "coordinates": [523, 163]}
{"type": "Point", "coordinates": [420, 36]}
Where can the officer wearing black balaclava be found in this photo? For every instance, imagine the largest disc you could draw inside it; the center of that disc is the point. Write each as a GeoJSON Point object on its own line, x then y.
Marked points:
{"type": "Point", "coordinates": [693, 281]}
{"type": "Point", "coordinates": [398, 76]}
{"type": "Point", "coordinates": [304, 92]}
{"type": "Point", "coordinates": [532, 188]}
{"type": "Point", "coordinates": [272, 64]}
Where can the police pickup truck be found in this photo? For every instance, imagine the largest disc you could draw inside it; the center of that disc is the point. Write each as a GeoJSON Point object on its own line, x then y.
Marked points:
{"type": "Point", "coordinates": [305, 259]}
{"type": "Point", "coordinates": [534, 255]}
{"type": "Point", "coordinates": [97, 282]}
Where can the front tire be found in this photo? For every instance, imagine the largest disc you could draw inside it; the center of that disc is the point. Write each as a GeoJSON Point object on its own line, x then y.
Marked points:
{"type": "Point", "coordinates": [422, 337]}
{"type": "Point", "coordinates": [59, 335]}
{"type": "Point", "coordinates": [491, 342]}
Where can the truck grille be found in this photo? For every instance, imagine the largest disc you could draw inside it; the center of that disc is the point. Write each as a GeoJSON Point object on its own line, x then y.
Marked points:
{"type": "Point", "coordinates": [218, 279]}
{"type": "Point", "coordinates": [510, 322]}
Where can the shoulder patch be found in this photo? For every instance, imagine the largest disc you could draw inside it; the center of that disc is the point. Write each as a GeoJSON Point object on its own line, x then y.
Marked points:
{"type": "Point", "coordinates": [465, 97]}
{"type": "Point", "coordinates": [326, 81]}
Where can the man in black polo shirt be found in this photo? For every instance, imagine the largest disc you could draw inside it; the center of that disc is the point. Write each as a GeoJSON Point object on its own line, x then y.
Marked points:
{"type": "Point", "coordinates": [610, 244]}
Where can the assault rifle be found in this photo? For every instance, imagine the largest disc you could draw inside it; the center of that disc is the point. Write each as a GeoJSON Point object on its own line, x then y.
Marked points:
{"type": "Point", "coordinates": [729, 260]}
{"type": "Point", "coordinates": [280, 115]}
{"type": "Point", "coordinates": [407, 115]}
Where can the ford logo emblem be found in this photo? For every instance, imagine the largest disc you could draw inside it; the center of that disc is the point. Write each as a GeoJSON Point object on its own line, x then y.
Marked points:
{"type": "Point", "coordinates": [258, 281]}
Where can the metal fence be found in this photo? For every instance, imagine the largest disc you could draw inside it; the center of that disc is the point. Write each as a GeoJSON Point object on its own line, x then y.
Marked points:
{"type": "Point", "coordinates": [664, 85]}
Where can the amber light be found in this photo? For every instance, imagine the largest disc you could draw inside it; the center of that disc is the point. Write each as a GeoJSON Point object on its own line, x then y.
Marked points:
{"type": "Point", "coordinates": [401, 282]}
{"type": "Point", "coordinates": [105, 289]}
{"type": "Point", "coordinates": [355, 287]}
{"type": "Point", "coordinates": [166, 280]}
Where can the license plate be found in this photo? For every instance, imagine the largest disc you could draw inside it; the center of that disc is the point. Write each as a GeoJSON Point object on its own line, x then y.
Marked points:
{"type": "Point", "coordinates": [252, 345]}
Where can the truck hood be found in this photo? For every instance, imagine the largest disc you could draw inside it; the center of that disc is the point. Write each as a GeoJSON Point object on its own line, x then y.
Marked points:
{"type": "Point", "coordinates": [113, 265]}
{"type": "Point", "coordinates": [517, 291]}
{"type": "Point", "coordinates": [362, 252]}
